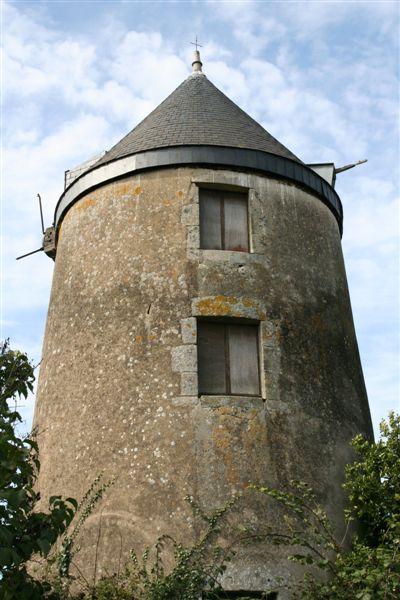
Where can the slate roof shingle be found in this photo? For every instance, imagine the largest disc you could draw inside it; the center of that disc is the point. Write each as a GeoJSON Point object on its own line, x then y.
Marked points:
{"type": "Point", "coordinates": [197, 113]}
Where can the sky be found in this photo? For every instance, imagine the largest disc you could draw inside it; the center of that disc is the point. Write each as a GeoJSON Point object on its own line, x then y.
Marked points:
{"type": "Point", "coordinates": [320, 76]}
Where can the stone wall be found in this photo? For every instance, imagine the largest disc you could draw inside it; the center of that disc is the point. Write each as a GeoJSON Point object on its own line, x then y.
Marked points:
{"type": "Point", "coordinates": [118, 382]}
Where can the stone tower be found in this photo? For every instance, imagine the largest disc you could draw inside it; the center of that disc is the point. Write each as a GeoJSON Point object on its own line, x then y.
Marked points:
{"type": "Point", "coordinates": [199, 334]}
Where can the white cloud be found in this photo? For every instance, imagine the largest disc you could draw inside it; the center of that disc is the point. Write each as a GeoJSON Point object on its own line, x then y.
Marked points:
{"type": "Point", "coordinates": [302, 118]}
{"type": "Point", "coordinates": [36, 270]}
{"type": "Point", "coordinates": [313, 22]}
{"type": "Point", "coordinates": [371, 249]}
{"type": "Point", "coordinates": [254, 31]}
{"type": "Point", "coordinates": [100, 97]}
{"type": "Point", "coordinates": [39, 167]}
{"type": "Point", "coordinates": [117, 102]}
{"type": "Point", "coordinates": [289, 65]}
{"type": "Point", "coordinates": [144, 62]}
{"type": "Point", "coordinates": [39, 60]}
{"type": "Point", "coordinates": [372, 214]}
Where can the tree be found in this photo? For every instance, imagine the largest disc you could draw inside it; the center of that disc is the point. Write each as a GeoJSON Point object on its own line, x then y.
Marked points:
{"type": "Point", "coordinates": [370, 570]}
{"type": "Point", "coordinates": [373, 483]}
{"type": "Point", "coordinates": [24, 531]}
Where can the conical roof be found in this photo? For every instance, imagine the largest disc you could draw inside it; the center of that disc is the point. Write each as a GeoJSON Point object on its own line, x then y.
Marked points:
{"type": "Point", "coordinates": [198, 125]}
{"type": "Point", "coordinates": [197, 113]}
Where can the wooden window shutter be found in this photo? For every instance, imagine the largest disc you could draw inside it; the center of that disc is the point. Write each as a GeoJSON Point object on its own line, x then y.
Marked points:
{"type": "Point", "coordinates": [211, 358]}
{"type": "Point", "coordinates": [224, 220]}
{"type": "Point", "coordinates": [243, 360]}
{"type": "Point", "coordinates": [228, 359]}
{"type": "Point", "coordinates": [210, 220]}
{"type": "Point", "coordinates": [236, 223]}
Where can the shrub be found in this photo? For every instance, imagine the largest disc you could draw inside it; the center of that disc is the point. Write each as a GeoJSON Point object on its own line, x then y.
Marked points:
{"type": "Point", "coordinates": [24, 531]}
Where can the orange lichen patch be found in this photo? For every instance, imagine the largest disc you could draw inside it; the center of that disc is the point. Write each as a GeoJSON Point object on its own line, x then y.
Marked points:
{"type": "Point", "coordinates": [255, 438]}
{"type": "Point", "coordinates": [255, 428]}
{"type": "Point", "coordinates": [219, 305]}
{"type": "Point", "coordinates": [230, 432]}
{"type": "Point", "coordinates": [175, 272]}
{"type": "Point", "coordinates": [138, 339]}
{"type": "Point", "coordinates": [152, 337]}
{"type": "Point", "coordinates": [167, 202]}
{"type": "Point", "coordinates": [179, 194]}
{"type": "Point", "coordinates": [229, 305]}
{"type": "Point", "coordinates": [85, 203]}
{"type": "Point", "coordinates": [248, 302]}
{"type": "Point", "coordinates": [137, 190]}
{"type": "Point", "coordinates": [123, 189]}
{"type": "Point", "coordinates": [222, 437]}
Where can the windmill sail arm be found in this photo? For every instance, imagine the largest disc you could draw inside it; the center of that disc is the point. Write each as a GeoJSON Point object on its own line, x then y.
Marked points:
{"type": "Point", "coordinates": [347, 167]}
{"type": "Point", "coordinates": [29, 253]}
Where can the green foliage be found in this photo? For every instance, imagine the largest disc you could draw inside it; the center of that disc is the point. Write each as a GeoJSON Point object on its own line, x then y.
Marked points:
{"type": "Point", "coordinates": [363, 573]}
{"type": "Point", "coordinates": [194, 568]}
{"type": "Point", "coordinates": [24, 531]}
{"type": "Point", "coordinates": [68, 546]}
{"type": "Point", "coordinates": [305, 525]}
{"type": "Point", "coordinates": [373, 483]}
{"type": "Point", "coordinates": [371, 568]}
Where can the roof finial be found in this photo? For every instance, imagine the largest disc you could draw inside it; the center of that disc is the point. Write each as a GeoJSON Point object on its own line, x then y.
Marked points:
{"type": "Point", "coordinates": [196, 64]}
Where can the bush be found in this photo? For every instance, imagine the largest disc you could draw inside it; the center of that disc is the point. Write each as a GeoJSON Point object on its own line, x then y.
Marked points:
{"type": "Point", "coordinates": [194, 568]}
{"type": "Point", "coordinates": [24, 531]}
{"type": "Point", "coordinates": [370, 570]}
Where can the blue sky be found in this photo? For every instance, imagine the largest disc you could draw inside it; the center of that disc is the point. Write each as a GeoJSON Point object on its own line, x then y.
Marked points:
{"type": "Point", "coordinates": [320, 76]}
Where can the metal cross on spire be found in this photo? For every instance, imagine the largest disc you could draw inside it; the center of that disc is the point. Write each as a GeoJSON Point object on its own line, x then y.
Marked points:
{"type": "Point", "coordinates": [196, 64]}
{"type": "Point", "coordinates": [196, 43]}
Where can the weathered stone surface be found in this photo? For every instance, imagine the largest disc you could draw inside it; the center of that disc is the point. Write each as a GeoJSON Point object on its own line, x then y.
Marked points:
{"type": "Point", "coordinates": [184, 358]}
{"type": "Point", "coordinates": [190, 214]}
{"type": "Point", "coordinates": [189, 330]}
{"type": "Point", "coordinates": [231, 306]}
{"type": "Point", "coordinates": [189, 384]}
{"type": "Point", "coordinates": [117, 382]}
{"type": "Point", "coordinates": [193, 236]}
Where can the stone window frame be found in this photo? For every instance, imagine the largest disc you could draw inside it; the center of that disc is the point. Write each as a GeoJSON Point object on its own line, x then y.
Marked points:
{"type": "Point", "coordinates": [235, 182]}
{"type": "Point", "coordinates": [184, 356]}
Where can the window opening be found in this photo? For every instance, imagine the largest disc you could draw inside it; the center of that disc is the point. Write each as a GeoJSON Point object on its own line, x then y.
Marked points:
{"type": "Point", "coordinates": [224, 220]}
{"type": "Point", "coordinates": [228, 359]}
